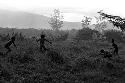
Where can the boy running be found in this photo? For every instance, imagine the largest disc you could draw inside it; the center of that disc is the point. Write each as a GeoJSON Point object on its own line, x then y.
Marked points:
{"type": "Point", "coordinates": [9, 43]}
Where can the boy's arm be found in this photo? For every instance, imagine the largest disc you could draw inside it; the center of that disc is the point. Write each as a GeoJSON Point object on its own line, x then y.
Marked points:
{"type": "Point", "coordinates": [14, 44]}
{"type": "Point", "coordinates": [48, 41]}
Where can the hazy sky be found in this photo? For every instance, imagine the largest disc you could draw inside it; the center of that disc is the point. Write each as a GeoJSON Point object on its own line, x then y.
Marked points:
{"type": "Point", "coordinates": [73, 10]}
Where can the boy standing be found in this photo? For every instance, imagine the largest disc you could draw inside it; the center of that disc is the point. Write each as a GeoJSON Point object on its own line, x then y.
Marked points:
{"type": "Point", "coordinates": [42, 42]}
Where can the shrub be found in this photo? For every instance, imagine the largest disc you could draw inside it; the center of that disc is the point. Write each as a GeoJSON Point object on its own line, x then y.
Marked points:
{"type": "Point", "coordinates": [57, 35]}
{"type": "Point", "coordinates": [20, 36]}
{"type": "Point", "coordinates": [85, 34]}
{"type": "Point", "coordinates": [4, 37]}
{"type": "Point", "coordinates": [55, 57]}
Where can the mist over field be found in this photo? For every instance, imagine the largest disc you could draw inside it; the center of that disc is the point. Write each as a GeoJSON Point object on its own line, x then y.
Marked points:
{"type": "Point", "coordinates": [20, 19]}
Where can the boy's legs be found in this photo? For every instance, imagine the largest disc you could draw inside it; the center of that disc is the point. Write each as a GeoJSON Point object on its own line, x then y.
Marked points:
{"type": "Point", "coordinates": [42, 47]}
{"type": "Point", "coordinates": [116, 51]}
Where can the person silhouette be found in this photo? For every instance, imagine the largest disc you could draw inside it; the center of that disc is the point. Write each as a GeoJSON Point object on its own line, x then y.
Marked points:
{"type": "Point", "coordinates": [9, 43]}
{"type": "Point", "coordinates": [42, 42]}
{"type": "Point", "coordinates": [115, 47]}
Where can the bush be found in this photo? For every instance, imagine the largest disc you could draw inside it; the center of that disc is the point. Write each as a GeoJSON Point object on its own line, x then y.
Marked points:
{"type": "Point", "coordinates": [85, 34]}
{"type": "Point", "coordinates": [116, 35]}
{"type": "Point", "coordinates": [55, 57]}
{"type": "Point", "coordinates": [20, 36]}
{"type": "Point", "coordinates": [57, 35]}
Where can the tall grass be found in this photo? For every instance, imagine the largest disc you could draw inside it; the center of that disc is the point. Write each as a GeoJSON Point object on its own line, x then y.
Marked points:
{"type": "Point", "coordinates": [66, 61]}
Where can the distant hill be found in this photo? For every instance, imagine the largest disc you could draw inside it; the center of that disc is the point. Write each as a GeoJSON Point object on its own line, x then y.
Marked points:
{"type": "Point", "coordinates": [21, 19]}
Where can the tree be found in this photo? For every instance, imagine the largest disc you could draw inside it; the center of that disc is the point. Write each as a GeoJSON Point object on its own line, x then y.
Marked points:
{"type": "Point", "coordinates": [56, 20]}
{"type": "Point", "coordinates": [101, 23]}
{"type": "Point", "coordinates": [101, 26]}
{"type": "Point", "coordinates": [99, 19]}
{"type": "Point", "coordinates": [115, 20]}
{"type": "Point", "coordinates": [85, 22]}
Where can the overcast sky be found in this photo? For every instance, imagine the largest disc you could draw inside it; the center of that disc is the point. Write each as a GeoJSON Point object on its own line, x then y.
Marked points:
{"type": "Point", "coordinates": [73, 10]}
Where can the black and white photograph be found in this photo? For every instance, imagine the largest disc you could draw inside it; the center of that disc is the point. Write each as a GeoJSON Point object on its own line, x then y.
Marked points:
{"type": "Point", "coordinates": [62, 41]}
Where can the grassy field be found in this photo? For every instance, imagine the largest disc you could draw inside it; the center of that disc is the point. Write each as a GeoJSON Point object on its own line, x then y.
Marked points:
{"type": "Point", "coordinates": [65, 62]}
